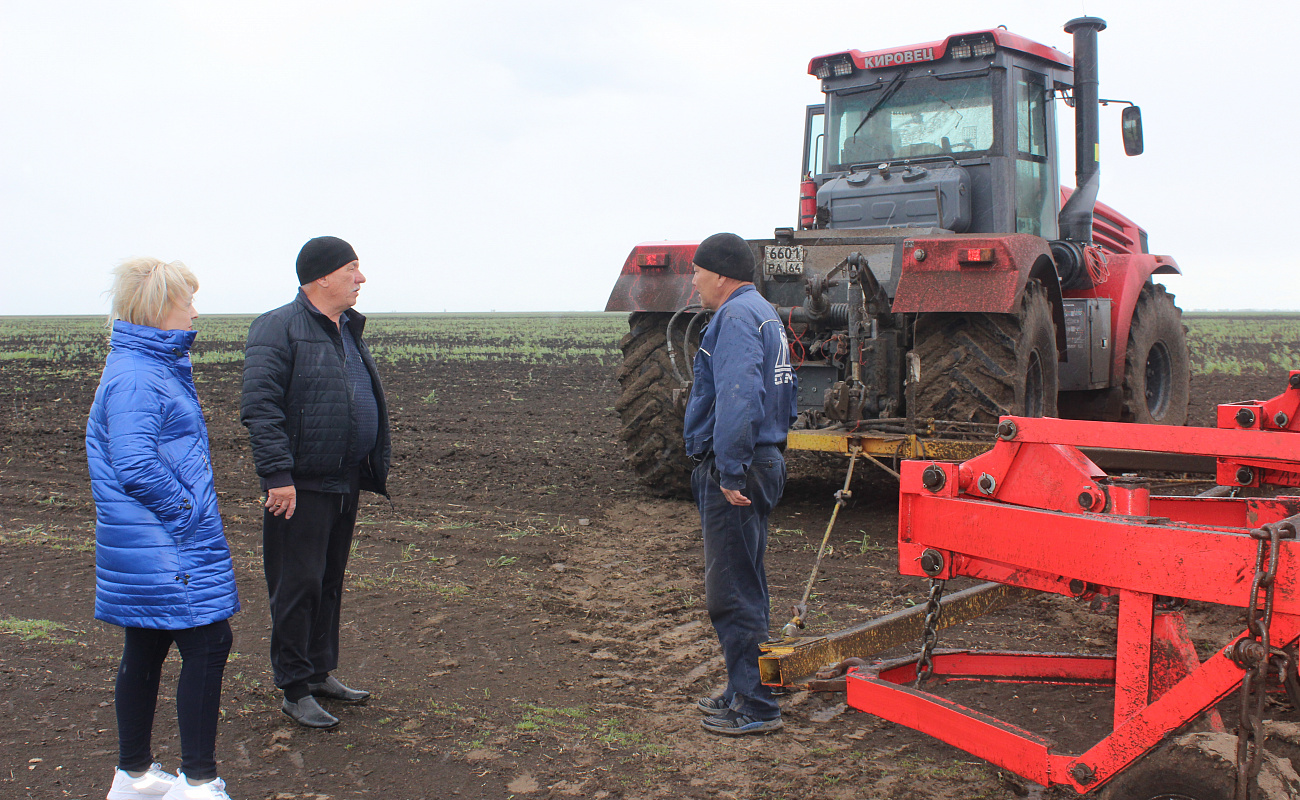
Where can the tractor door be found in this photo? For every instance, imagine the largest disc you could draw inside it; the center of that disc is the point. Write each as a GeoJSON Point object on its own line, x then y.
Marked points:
{"type": "Point", "coordinates": [814, 142]}
{"type": "Point", "coordinates": [1036, 181]}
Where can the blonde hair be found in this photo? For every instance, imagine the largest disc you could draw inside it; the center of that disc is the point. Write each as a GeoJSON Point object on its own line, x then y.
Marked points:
{"type": "Point", "coordinates": [145, 289]}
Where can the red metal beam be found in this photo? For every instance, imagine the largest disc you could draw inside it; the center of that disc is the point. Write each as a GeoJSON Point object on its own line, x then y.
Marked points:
{"type": "Point", "coordinates": [1218, 442]}
{"type": "Point", "coordinates": [1028, 754]}
{"type": "Point", "coordinates": [1133, 654]}
{"type": "Point", "coordinates": [1063, 669]}
{"type": "Point", "coordinates": [989, 738]}
{"type": "Point", "coordinates": [1136, 553]}
{"type": "Point", "coordinates": [1186, 700]}
{"type": "Point", "coordinates": [1226, 512]}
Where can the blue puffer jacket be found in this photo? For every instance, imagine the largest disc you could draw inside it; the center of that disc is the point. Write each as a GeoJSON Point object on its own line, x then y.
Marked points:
{"type": "Point", "coordinates": [161, 558]}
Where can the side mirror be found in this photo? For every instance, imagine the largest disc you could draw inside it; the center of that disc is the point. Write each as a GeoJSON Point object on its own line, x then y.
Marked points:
{"type": "Point", "coordinates": [1131, 127]}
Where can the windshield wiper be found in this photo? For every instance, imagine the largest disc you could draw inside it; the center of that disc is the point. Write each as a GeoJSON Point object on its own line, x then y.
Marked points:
{"type": "Point", "coordinates": [885, 95]}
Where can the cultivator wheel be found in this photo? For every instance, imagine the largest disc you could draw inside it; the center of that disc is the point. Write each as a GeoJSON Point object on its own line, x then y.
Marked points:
{"type": "Point", "coordinates": [978, 367]}
{"type": "Point", "coordinates": [1157, 376]}
{"type": "Point", "coordinates": [1200, 766]}
{"type": "Point", "coordinates": [653, 400]}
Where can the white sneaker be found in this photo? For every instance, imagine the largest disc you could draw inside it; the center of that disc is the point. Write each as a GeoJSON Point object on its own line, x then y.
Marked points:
{"type": "Point", "coordinates": [214, 789]}
{"type": "Point", "coordinates": [154, 783]}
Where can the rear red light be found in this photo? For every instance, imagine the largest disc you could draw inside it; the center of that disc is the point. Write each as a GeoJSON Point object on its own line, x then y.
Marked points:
{"type": "Point", "coordinates": [975, 255]}
{"type": "Point", "coordinates": [652, 259]}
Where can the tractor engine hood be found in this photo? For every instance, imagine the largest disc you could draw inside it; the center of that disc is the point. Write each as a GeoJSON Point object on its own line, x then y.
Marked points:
{"type": "Point", "coordinates": [895, 196]}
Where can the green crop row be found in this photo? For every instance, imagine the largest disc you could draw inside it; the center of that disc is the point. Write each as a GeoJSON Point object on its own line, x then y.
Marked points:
{"type": "Point", "coordinates": [528, 338]}
{"type": "Point", "coordinates": [1230, 344]}
{"type": "Point", "coordinates": [1243, 343]}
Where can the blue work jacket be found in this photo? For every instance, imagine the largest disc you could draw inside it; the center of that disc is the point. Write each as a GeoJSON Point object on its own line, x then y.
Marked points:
{"type": "Point", "coordinates": [745, 392]}
{"type": "Point", "coordinates": [161, 558]}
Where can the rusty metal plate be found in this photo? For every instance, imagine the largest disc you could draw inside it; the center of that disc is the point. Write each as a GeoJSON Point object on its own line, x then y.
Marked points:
{"type": "Point", "coordinates": [794, 662]}
{"type": "Point", "coordinates": [888, 445]}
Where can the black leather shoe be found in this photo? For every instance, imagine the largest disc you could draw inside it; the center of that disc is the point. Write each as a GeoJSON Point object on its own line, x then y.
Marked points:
{"type": "Point", "coordinates": [308, 713]}
{"type": "Point", "coordinates": [334, 690]}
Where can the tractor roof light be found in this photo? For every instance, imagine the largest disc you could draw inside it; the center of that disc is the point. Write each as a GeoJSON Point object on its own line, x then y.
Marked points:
{"type": "Point", "coordinates": [961, 50]}
{"type": "Point", "coordinates": [984, 48]}
{"type": "Point", "coordinates": [838, 66]}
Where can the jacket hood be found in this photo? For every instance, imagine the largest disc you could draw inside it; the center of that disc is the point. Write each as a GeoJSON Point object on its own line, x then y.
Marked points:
{"type": "Point", "coordinates": [144, 339]}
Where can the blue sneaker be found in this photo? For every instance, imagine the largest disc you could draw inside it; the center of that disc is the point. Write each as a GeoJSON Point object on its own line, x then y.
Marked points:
{"type": "Point", "coordinates": [733, 723]}
{"type": "Point", "coordinates": [712, 706]}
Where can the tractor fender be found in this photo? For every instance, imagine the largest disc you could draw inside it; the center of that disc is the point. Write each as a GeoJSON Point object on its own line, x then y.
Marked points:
{"type": "Point", "coordinates": [976, 273]}
{"type": "Point", "coordinates": [656, 277]}
{"type": "Point", "coordinates": [1127, 274]}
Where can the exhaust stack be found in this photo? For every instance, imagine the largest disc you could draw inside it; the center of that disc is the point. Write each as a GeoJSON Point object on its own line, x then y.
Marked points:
{"type": "Point", "coordinates": [1075, 220]}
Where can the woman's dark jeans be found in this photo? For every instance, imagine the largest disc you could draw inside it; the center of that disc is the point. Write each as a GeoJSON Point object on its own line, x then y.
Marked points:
{"type": "Point", "coordinates": [198, 695]}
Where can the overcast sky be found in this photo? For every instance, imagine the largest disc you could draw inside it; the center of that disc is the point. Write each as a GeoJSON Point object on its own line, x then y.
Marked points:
{"type": "Point", "coordinates": [506, 154]}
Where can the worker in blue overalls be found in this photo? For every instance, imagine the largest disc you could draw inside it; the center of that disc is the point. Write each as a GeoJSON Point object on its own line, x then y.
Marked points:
{"type": "Point", "coordinates": [742, 403]}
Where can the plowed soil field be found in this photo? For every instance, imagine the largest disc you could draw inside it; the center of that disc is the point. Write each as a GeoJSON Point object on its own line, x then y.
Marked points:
{"type": "Point", "coordinates": [531, 624]}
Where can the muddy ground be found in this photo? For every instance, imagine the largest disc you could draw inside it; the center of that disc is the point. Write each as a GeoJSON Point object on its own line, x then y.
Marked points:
{"type": "Point", "coordinates": [531, 625]}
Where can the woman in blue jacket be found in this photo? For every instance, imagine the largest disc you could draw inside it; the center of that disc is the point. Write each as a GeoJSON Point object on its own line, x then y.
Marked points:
{"type": "Point", "coordinates": [162, 565]}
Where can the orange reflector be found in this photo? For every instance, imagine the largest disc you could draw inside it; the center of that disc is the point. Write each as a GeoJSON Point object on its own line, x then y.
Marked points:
{"type": "Point", "coordinates": [975, 255]}
{"type": "Point", "coordinates": [652, 259]}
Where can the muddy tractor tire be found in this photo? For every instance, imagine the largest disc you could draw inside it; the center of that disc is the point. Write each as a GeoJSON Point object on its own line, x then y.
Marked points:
{"type": "Point", "coordinates": [1157, 372]}
{"type": "Point", "coordinates": [978, 367]}
{"type": "Point", "coordinates": [1199, 766]}
{"type": "Point", "coordinates": [653, 400]}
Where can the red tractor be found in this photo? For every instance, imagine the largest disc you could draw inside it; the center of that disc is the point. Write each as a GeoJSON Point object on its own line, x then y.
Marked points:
{"type": "Point", "coordinates": [940, 277]}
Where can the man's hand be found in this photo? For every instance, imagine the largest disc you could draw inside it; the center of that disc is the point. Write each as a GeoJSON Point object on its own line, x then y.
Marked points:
{"type": "Point", "coordinates": [285, 499]}
{"type": "Point", "coordinates": [735, 497]}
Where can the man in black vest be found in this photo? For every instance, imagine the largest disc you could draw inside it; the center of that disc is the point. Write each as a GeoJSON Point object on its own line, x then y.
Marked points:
{"type": "Point", "coordinates": [316, 415]}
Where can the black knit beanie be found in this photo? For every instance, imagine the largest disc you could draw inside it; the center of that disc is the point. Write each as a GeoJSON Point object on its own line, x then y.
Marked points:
{"type": "Point", "coordinates": [321, 256]}
{"type": "Point", "coordinates": [726, 254]}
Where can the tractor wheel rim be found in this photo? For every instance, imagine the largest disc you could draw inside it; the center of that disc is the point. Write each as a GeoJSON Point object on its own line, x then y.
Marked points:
{"type": "Point", "coordinates": [1159, 379]}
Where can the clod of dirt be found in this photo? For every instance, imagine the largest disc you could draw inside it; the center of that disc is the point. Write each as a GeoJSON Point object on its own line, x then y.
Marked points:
{"type": "Point", "coordinates": [569, 789]}
{"type": "Point", "coordinates": [829, 713]}
{"type": "Point", "coordinates": [482, 754]}
{"type": "Point", "coordinates": [523, 784]}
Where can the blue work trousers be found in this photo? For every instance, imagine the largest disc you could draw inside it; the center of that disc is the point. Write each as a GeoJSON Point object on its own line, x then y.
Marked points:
{"type": "Point", "coordinates": [735, 579]}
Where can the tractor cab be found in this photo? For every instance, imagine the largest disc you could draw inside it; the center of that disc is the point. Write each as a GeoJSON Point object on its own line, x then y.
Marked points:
{"type": "Point", "coordinates": [957, 134]}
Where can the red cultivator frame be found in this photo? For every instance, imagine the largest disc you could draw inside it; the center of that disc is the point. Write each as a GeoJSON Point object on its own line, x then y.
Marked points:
{"type": "Point", "coordinates": [1034, 512]}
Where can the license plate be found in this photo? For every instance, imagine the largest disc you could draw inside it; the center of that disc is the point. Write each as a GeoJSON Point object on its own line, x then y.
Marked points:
{"type": "Point", "coordinates": [782, 259]}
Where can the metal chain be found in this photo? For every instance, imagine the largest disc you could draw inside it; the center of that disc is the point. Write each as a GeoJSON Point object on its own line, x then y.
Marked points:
{"type": "Point", "coordinates": [930, 634]}
{"type": "Point", "coordinates": [1254, 654]}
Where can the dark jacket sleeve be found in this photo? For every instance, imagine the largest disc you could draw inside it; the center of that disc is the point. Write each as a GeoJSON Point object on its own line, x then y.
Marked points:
{"type": "Point", "coordinates": [268, 368]}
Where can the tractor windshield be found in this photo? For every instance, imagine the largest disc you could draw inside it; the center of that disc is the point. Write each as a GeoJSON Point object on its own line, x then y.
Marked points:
{"type": "Point", "coordinates": [919, 117]}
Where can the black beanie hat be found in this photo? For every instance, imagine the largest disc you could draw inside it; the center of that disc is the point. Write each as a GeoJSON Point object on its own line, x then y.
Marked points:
{"type": "Point", "coordinates": [726, 254]}
{"type": "Point", "coordinates": [321, 256]}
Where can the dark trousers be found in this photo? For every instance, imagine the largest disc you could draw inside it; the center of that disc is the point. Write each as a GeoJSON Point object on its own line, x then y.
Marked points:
{"type": "Point", "coordinates": [735, 579]}
{"type": "Point", "coordinates": [305, 558]}
{"type": "Point", "coordinates": [198, 695]}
